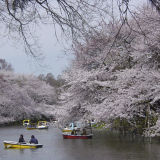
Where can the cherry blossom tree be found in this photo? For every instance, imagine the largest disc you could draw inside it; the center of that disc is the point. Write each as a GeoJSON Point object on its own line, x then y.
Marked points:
{"type": "Point", "coordinates": [116, 81]}
{"type": "Point", "coordinates": [76, 17]}
{"type": "Point", "coordinates": [24, 96]}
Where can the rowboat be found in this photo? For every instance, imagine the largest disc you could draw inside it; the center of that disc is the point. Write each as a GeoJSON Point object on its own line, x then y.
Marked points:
{"type": "Point", "coordinates": [26, 122]}
{"type": "Point", "coordinates": [66, 129]}
{"type": "Point", "coordinates": [39, 125]}
{"type": "Point", "coordinates": [31, 126]}
{"type": "Point", "coordinates": [70, 128]}
{"type": "Point", "coordinates": [67, 136]}
{"type": "Point", "coordinates": [42, 125]}
{"type": "Point", "coordinates": [17, 145]}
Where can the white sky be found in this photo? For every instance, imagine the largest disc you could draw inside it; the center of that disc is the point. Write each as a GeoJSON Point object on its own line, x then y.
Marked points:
{"type": "Point", "coordinates": [55, 59]}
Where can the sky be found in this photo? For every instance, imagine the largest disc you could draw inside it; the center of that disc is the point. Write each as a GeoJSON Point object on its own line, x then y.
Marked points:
{"type": "Point", "coordinates": [54, 60]}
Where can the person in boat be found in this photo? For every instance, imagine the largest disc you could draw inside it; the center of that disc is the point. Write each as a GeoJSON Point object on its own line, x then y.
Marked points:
{"type": "Point", "coordinates": [84, 132]}
{"type": "Point", "coordinates": [33, 140]}
{"type": "Point", "coordinates": [21, 139]}
{"type": "Point", "coordinates": [73, 132]}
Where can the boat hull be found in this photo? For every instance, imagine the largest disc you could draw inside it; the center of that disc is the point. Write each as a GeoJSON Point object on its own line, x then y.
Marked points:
{"type": "Point", "coordinates": [31, 128]}
{"type": "Point", "coordinates": [77, 136]}
{"type": "Point", "coordinates": [16, 145]}
{"type": "Point", "coordinates": [66, 130]}
{"type": "Point", "coordinates": [42, 127]}
{"type": "Point", "coordinates": [38, 127]}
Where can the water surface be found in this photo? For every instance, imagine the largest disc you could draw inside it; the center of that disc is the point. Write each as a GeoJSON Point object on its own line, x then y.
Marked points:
{"type": "Point", "coordinates": [103, 146]}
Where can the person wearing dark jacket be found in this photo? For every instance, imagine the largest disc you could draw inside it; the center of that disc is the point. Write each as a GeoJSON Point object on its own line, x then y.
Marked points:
{"type": "Point", "coordinates": [21, 139]}
{"type": "Point", "coordinates": [33, 140]}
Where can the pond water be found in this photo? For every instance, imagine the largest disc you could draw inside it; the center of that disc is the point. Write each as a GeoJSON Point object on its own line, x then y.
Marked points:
{"type": "Point", "coordinates": [103, 146]}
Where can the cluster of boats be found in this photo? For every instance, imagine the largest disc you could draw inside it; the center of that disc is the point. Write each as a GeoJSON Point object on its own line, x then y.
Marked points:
{"type": "Point", "coordinates": [39, 125]}
{"type": "Point", "coordinates": [77, 131]}
{"type": "Point", "coordinates": [71, 131]}
{"type": "Point", "coordinates": [29, 126]}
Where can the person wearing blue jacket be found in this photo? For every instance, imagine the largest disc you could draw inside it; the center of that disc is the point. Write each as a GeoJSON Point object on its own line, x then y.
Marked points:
{"type": "Point", "coordinates": [33, 140]}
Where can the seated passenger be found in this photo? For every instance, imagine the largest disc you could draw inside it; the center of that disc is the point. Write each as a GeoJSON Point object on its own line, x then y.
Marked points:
{"type": "Point", "coordinates": [21, 139]}
{"type": "Point", "coordinates": [73, 132]}
{"type": "Point", "coordinates": [33, 140]}
{"type": "Point", "coordinates": [84, 132]}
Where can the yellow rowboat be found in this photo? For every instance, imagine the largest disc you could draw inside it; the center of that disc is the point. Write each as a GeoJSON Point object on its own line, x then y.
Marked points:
{"type": "Point", "coordinates": [39, 125]}
{"type": "Point", "coordinates": [70, 128]}
{"type": "Point", "coordinates": [42, 125]}
{"type": "Point", "coordinates": [26, 122]}
{"type": "Point", "coordinates": [31, 126]}
{"type": "Point", "coordinates": [16, 145]}
{"type": "Point", "coordinates": [67, 130]}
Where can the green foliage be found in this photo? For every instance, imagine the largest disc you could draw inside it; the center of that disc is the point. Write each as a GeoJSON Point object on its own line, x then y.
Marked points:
{"type": "Point", "coordinates": [99, 125]}
{"type": "Point", "coordinates": [121, 124]}
{"type": "Point", "coordinates": [137, 125]}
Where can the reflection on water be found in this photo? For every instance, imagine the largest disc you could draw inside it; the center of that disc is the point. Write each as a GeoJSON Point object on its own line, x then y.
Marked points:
{"type": "Point", "coordinates": [103, 146]}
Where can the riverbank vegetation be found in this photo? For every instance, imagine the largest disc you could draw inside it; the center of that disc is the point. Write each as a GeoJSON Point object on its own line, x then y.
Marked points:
{"type": "Point", "coordinates": [24, 96]}
{"type": "Point", "coordinates": [115, 75]}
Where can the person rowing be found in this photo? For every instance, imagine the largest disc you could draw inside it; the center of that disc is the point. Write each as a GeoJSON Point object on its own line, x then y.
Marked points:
{"type": "Point", "coordinates": [33, 140]}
